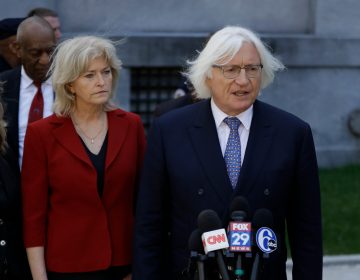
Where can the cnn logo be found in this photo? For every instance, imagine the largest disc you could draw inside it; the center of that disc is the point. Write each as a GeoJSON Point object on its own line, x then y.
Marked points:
{"type": "Point", "coordinates": [214, 240]}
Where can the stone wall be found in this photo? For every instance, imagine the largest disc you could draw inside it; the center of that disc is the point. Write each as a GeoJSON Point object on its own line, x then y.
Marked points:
{"type": "Point", "coordinates": [318, 41]}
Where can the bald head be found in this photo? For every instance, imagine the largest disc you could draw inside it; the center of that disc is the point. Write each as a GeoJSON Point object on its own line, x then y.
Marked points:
{"type": "Point", "coordinates": [30, 26]}
{"type": "Point", "coordinates": [35, 43]}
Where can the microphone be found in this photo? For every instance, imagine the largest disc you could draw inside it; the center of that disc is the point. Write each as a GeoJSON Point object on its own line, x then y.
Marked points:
{"type": "Point", "coordinates": [239, 232]}
{"type": "Point", "coordinates": [265, 239]}
{"type": "Point", "coordinates": [197, 254]}
{"type": "Point", "coordinates": [214, 238]}
{"type": "Point", "coordinates": [240, 203]}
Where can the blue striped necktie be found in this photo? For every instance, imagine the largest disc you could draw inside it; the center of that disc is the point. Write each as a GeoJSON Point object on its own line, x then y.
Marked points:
{"type": "Point", "coordinates": [232, 154]}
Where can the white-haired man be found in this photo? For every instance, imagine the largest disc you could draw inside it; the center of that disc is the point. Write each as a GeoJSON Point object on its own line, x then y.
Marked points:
{"type": "Point", "coordinates": [231, 144]}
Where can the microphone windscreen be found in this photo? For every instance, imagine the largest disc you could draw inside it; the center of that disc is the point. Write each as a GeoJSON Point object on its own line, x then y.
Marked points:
{"type": "Point", "coordinates": [238, 216]}
{"type": "Point", "coordinates": [240, 203]}
{"type": "Point", "coordinates": [195, 242]}
{"type": "Point", "coordinates": [208, 220]}
{"type": "Point", "coordinates": [262, 218]}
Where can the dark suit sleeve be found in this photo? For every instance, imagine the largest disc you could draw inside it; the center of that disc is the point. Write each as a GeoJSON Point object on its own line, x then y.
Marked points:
{"type": "Point", "coordinates": [141, 145]}
{"type": "Point", "coordinates": [304, 219]}
{"type": "Point", "coordinates": [151, 221]}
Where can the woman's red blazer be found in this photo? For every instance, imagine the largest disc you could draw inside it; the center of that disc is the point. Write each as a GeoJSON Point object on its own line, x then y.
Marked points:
{"type": "Point", "coordinates": [62, 209]}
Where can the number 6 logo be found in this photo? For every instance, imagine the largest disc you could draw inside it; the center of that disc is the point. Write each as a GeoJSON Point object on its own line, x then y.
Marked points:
{"type": "Point", "coordinates": [266, 240]}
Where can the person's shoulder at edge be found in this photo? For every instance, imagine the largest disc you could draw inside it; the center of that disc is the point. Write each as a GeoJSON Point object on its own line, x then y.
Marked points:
{"type": "Point", "coordinates": [184, 115]}
{"type": "Point", "coordinates": [173, 104]}
{"type": "Point", "coordinates": [4, 75]}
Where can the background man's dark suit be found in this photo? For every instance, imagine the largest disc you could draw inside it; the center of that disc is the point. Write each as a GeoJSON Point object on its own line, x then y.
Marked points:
{"type": "Point", "coordinates": [10, 224]}
{"type": "Point", "coordinates": [172, 104]}
{"type": "Point", "coordinates": [185, 173]}
{"type": "Point", "coordinates": [11, 102]}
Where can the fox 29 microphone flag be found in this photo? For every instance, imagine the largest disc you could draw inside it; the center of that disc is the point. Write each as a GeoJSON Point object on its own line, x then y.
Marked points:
{"type": "Point", "coordinates": [239, 237]}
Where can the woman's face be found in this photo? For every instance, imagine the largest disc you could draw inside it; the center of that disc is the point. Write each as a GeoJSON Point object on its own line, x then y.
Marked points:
{"type": "Point", "coordinates": [93, 87]}
{"type": "Point", "coordinates": [234, 96]}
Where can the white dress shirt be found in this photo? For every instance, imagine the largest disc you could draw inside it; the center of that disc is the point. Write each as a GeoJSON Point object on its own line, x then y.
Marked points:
{"type": "Point", "coordinates": [223, 129]}
{"type": "Point", "coordinates": [27, 93]}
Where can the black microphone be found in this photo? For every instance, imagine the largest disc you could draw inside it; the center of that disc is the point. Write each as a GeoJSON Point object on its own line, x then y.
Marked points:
{"type": "Point", "coordinates": [265, 239]}
{"type": "Point", "coordinates": [214, 238]}
{"type": "Point", "coordinates": [239, 232]}
{"type": "Point", "coordinates": [197, 254]}
{"type": "Point", "coordinates": [239, 209]}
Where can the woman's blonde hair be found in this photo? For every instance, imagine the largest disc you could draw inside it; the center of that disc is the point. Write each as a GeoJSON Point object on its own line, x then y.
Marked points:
{"type": "Point", "coordinates": [3, 143]}
{"type": "Point", "coordinates": [72, 58]}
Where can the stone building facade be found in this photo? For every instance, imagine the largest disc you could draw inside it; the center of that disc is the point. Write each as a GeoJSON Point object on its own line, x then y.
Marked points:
{"type": "Point", "coordinates": [317, 40]}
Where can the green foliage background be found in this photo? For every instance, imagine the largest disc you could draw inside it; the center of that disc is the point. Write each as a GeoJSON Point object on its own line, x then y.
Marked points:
{"type": "Point", "coordinates": [340, 199]}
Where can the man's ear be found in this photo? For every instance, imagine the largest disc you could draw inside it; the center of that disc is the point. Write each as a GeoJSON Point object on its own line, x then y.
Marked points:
{"type": "Point", "coordinates": [208, 80]}
{"type": "Point", "coordinates": [14, 46]}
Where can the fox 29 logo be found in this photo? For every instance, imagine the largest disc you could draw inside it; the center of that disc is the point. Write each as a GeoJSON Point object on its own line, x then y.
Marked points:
{"type": "Point", "coordinates": [266, 240]}
{"type": "Point", "coordinates": [240, 237]}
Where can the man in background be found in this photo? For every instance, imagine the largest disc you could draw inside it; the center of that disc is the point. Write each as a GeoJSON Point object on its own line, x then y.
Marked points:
{"type": "Point", "coordinates": [51, 17]}
{"type": "Point", "coordinates": [28, 93]}
{"type": "Point", "coordinates": [184, 95]}
{"type": "Point", "coordinates": [8, 57]}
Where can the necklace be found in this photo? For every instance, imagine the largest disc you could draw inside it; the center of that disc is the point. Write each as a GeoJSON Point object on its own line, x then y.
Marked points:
{"type": "Point", "coordinates": [91, 138]}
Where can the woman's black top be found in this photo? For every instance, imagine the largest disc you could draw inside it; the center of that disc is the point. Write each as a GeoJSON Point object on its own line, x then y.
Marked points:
{"type": "Point", "coordinates": [99, 163]}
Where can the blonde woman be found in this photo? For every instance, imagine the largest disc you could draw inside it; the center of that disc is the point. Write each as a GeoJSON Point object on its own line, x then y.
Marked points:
{"type": "Point", "coordinates": [80, 169]}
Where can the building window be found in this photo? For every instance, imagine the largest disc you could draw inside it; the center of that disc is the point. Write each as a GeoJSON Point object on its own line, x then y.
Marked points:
{"type": "Point", "coordinates": [151, 86]}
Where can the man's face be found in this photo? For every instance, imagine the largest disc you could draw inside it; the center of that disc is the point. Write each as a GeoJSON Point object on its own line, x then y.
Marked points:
{"type": "Point", "coordinates": [55, 25]}
{"type": "Point", "coordinates": [35, 51]}
{"type": "Point", "coordinates": [236, 95]}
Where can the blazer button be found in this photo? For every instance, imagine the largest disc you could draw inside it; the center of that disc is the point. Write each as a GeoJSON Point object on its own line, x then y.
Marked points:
{"type": "Point", "coordinates": [201, 191]}
{"type": "Point", "coordinates": [2, 243]}
{"type": "Point", "coordinates": [1, 222]}
{"type": "Point", "coordinates": [267, 192]}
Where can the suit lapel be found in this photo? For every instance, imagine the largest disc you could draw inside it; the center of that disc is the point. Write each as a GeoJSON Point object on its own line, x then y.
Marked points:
{"type": "Point", "coordinates": [206, 143]}
{"type": "Point", "coordinates": [118, 128]}
{"type": "Point", "coordinates": [259, 143]}
{"type": "Point", "coordinates": [64, 132]}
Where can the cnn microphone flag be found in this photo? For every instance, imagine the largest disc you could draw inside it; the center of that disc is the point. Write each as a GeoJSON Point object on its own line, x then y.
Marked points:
{"type": "Point", "coordinates": [214, 240]}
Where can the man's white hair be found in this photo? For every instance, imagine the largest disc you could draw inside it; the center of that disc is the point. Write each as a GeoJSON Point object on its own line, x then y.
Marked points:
{"type": "Point", "coordinates": [220, 49]}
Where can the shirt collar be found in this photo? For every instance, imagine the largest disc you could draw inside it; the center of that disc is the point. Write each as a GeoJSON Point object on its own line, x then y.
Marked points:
{"type": "Point", "coordinates": [219, 116]}
{"type": "Point", "coordinates": [26, 81]}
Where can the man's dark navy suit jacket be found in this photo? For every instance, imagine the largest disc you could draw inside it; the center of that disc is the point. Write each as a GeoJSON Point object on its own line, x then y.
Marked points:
{"type": "Point", "coordinates": [185, 173]}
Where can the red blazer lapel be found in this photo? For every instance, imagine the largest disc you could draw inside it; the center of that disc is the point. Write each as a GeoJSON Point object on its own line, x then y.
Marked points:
{"type": "Point", "coordinates": [64, 132]}
{"type": "Point", "coordinates": [117, 129]}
